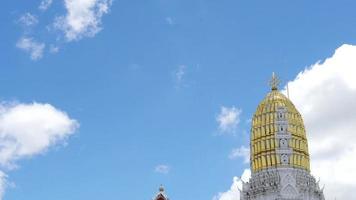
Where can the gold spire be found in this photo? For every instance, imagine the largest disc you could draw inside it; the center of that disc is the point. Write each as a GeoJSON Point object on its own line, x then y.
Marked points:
{"type": "Point", "coordinates": [274, 82]}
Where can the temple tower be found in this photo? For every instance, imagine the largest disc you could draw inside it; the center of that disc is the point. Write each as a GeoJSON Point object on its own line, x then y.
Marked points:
{"type": "Point", "coordinates": [161, 194]}
{"type": "Point", "coordinates": [279, 161]}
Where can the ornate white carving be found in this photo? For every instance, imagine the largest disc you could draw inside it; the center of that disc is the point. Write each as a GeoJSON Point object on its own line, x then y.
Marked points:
{"type": "Point", "coordinates": [289, 192]}
{"type": "Point", "coordinates": [282, 184]}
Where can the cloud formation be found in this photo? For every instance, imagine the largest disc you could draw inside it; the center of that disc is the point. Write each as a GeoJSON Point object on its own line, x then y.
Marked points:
{"type": "Point", "coordinates": [234, 192]}
{"type": "Point", "coordinates": [29, 45]}
{"type": "Point", "coordinates": [325, 94]}
{"type": "Point", "coordinates": [242, 152]}
{"type": "Point", "coordinates": [27, 130]}
{"type": "Point", "coordinates": [169, 20]}
{"type": "Point", "coordinates": [179, 76]}
{"type": "Point", "coordinates": [162, 169]}
{"type": "Point", "coordinates": [3, 184]}
{"type": "Point", "coordinates": [28, 20]}
{"type": "Point", "coordinates": [45, 4]}
{"type": "Point", "coordinates": [228, 119]}
{"type": "Point", "coordinates": [82, 18]}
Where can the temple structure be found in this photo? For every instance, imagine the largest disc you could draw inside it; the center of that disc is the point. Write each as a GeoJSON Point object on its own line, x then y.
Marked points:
{"type": "Point", "coordinates": [161, 194]}
{"type": "Point", "coordinates": [279, 160]}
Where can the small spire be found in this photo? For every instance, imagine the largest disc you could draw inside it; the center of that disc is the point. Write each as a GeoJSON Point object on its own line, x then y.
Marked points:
{"type": "Point", "coordinates": [274, 82]}
{"type": "Point", "coordinates": [161, 188]}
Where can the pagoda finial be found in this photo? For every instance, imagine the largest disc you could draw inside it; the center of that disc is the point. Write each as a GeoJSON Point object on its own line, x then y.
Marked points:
{"type": "Point", "coordinates": [161, 188]}
{"type": "Point", "coordinates": [274, 82]}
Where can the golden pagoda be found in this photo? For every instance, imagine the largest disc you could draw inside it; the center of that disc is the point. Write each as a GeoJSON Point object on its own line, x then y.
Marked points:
{"type": "Point", "coordinates": [280, 163]}
{"type": "Point", "coordinates": [274, 109]}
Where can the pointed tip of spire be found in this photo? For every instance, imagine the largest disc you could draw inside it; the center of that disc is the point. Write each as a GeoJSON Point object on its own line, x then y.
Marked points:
{"type": "Point", "coordinates": [161, 188]}
{"type": "Point", "coordinates": [274, 82]}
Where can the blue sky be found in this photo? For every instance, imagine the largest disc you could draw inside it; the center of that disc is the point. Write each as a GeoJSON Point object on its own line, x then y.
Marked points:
{"type": "Point", "coordinates": [147, 89]}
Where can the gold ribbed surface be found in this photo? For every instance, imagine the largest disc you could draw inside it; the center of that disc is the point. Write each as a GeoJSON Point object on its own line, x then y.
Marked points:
{"type": "Point", "coordinates": [263, 134]}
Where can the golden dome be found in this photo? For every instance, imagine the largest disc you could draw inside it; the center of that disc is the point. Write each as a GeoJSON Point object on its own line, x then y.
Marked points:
{"type": "Point", "coordinates": [264, 141]}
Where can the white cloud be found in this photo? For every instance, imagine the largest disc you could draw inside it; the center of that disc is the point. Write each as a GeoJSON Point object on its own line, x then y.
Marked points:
{"type": "Point", "coordinates": [234, 192]}
{"type": "Point", "coordinates": [45, 4]}
{"type": "Point", "coordinates": [325, 94]}
{"type": "Point", "coordinates": [53, 49]}
{"type": "Point", "coordinates": [27, 130]}
{"type": "Point", "coordinates": [83, 18]}
{"type": "Point", "coordinates": [28, 20]}
{"type": "Point", "coordinates": [169, 20]}
{"type": "Point", "coordinates": [30, 129]}
{"type": "Point", "coordinates": [35, 49]}
{"type": "Point", "coordinates": [180, 72]}
{"type": "Point", "coordinates": [179, 75]}
{"type": "Point", "coordinates": [228, 119]}
{"type": "Point", "coordinates": [243, 152]}
{"type": "Point", "coordinates": [163, 169]}
{"type": "Point", "coordinates": [3, 184]}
